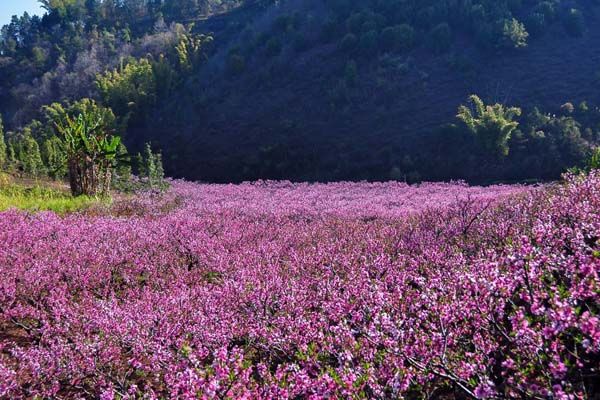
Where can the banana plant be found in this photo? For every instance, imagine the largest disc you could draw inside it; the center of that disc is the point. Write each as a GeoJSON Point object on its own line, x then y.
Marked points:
{"type": "Point", "coordinates": [91, 151]}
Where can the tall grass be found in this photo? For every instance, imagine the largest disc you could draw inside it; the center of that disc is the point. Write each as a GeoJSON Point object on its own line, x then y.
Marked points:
{"type": "Point", "coordinates": [40, 196]}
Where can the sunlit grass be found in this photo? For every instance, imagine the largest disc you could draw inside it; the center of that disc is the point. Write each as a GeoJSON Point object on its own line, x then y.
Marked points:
{"type": "Point", "coordinates": [40, 196]}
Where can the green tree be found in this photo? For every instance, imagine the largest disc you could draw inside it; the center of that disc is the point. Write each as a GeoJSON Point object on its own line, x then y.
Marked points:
{"type": "Point", "coordinates": [71, 9]}
{"type": "Point", "coordinates": [150, 167]}
{"type": "Point", "coordinates": [58, 112]}
{"type": "Point", "coordinates": [54, 157]}
{"type": "Point", "coordinates": [190, 49]}
{"type": "Point", "coordinates": [91, 153]}
{"type": "Point", "coordinates": [493, 125]}
{"type": "Point", "coordinates": [514, 34]}
{"type": "Point", "coordinates": [166, 77]}
{"type": "Point", "coordinates": [54, 153]}
{"type": "Point", "coordinates": [39, 57]}
{"type": "Point", "coordinates": [130, 90]}
{"type": "Point", "coordinates": [11, 155]}
{"type": "Point", "coordinates": [30, 156]}
{"type": "Point", "coordinates": [139, 165]}
{"type": "Point", "coordinates": [23, 152]}
{"type": "Point", "coordinates": [159, 172]}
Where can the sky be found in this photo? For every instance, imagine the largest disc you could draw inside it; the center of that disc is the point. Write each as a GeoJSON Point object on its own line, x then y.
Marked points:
{"type": "Point", "coordinates": [8, 8]}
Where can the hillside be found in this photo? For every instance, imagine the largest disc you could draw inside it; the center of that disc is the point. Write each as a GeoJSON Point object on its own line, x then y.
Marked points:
{"type": "Point", "coordinates": [297, 109]}
{"type": "Point", "coordinates": [326, 90]}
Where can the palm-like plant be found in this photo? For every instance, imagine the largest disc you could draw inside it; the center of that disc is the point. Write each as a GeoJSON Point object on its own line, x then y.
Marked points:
{"type": "Point", "coordinates": [91, 153]}
{"type": "Point", "coordinates": [190, 49]}
{"type": "Point", "coordinates": [109, 152]}
{"type": "Point", "coordinates": [492, 124]}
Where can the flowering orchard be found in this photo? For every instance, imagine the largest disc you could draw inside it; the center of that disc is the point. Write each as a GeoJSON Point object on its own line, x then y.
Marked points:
{"type": "Point", "coordinates": [282, 291]}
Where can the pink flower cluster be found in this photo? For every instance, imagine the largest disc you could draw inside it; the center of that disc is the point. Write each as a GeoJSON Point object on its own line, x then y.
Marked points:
{"type": "Point", "coordinates": [344, 199]}
{"type": "Point", "coordinates": [283, 291]}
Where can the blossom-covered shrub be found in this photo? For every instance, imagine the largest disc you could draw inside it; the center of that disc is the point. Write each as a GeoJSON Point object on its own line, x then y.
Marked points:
{"type": "Point", "coordinates": [276, 290]}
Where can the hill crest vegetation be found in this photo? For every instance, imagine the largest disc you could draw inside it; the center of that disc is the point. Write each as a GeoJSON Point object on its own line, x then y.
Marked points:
{"type": "Point", "coordinates": [311, 89]}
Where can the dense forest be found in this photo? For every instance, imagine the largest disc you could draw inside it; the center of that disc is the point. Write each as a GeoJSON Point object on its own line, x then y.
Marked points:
{"type": "Point", "coordinates": [309, 89]}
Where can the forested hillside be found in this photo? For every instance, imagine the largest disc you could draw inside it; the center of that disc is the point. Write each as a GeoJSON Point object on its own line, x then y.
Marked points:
{"type": "Point", "coordinates": [291, 271]}
{"type": "Point", "coordinates": [316, 89]}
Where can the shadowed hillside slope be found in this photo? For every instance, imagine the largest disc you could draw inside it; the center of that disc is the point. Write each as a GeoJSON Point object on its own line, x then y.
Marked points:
{"type": "Point", "coordinates": [322, 89]}
{"type": "Point", "coordinates": [299, 113]}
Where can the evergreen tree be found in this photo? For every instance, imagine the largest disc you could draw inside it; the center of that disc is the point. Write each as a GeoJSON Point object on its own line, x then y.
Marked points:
{"type": "Point", "coordinates": [160, 171]}
{"type": "Point", "coordinates": [54, 158]}
{"type": "Point", "coordinates": [11, 155]}
{"type": "Point", "coordinates": [30, 156]}
{"type": "Point", "coordinates": [150, 167]}
{"type": "Point", "coordinates": [149, 164]}
{"type": "Point", "coordinates": [130, 90]}
{"type": "Point", "coordinates": [139, 164]}
{"type": "Point", "coordinates": [190, 50]}
{"type": "Point", "coordinates": [514, 34]}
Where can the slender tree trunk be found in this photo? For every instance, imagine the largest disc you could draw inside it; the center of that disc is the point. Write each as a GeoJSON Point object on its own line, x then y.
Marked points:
{"type": "Point", "coordinates": [75, 178]}
{"type": "Point", "coordinates": [90, 182]}
{"type": "Point", "coordinates": [107, 181]}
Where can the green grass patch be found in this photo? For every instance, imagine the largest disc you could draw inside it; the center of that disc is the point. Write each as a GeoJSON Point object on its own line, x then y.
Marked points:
{"type": "Point", "coordinates": [42, 197]}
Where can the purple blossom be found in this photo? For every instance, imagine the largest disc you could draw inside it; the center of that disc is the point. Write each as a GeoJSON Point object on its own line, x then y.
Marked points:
{"type": "Point", "coordinates": [274, 290]}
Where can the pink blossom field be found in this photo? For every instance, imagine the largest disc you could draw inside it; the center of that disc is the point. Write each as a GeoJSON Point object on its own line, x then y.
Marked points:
{"type": "Point", "coordinates": [273, 290]}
